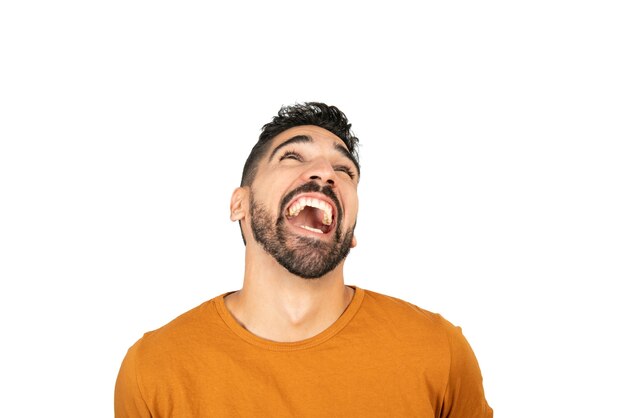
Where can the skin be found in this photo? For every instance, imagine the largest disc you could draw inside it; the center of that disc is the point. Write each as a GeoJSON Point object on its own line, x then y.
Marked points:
{"type": "Point", "coordinates": [273, 303]}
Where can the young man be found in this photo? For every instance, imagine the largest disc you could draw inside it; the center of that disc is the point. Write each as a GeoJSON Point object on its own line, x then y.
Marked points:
{"type": "Point", "coordinates": [295, 341]}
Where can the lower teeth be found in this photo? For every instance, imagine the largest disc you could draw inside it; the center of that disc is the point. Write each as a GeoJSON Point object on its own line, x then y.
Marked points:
{"type": "Point", "coordinates": [308, 228]}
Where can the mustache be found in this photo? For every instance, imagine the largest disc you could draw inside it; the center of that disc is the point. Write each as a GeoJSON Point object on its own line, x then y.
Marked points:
{"type": "Point", "coordinates": [312, 187]}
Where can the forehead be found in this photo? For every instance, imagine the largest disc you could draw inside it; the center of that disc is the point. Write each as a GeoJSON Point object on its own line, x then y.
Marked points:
{"type": "Point", "coordinates": [317, 134]}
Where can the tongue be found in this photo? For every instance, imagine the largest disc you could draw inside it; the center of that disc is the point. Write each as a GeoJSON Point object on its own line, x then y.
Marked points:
{"type": "Point", "coordinates": [310, 217]}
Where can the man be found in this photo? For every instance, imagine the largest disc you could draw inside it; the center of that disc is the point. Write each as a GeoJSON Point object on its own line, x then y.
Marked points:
{"type": "Point", "coordinates": [295, 341]}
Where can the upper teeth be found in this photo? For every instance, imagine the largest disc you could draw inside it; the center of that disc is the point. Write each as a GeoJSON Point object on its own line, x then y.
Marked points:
{"type": "Point", "coordinates": [297, 206]}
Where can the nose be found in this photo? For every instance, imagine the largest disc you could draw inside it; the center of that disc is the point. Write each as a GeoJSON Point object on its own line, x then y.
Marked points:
{"type": "Point", "coordinates": [321, 170]}
{"type": "Point", "coordinates": [329, 181]}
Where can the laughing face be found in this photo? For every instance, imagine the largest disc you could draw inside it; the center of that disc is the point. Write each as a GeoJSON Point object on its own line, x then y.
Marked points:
{"type": "Point", "coordinates": [303, 201]}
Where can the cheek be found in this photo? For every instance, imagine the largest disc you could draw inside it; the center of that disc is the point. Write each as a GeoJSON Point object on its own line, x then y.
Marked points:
{"type": "Point", "coordinates": [270, 188]}
{"type": "Point", "coordinates": [353, 207]}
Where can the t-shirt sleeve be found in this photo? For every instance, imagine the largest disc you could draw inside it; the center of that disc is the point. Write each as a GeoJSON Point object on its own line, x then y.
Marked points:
{"type": "Point", "coordinates": [129, 401]}
{"type": "Point", "coordinates": [464, 396]}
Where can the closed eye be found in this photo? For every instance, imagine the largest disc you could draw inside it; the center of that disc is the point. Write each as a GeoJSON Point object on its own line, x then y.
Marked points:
{"type": "Point", "coordinates": [345, 169]}
{"type": "Point", "coordinates": [291, 155]}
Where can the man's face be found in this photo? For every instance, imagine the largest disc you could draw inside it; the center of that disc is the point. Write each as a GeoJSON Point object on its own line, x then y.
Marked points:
{"type": "Point", "coordinates": [303, 201]}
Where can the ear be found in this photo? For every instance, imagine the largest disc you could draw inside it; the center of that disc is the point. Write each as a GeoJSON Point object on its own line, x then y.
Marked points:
{"type": "Point", "coordinates": [353, 242]}
{"type": "Point", "coordinates": [238, 204]}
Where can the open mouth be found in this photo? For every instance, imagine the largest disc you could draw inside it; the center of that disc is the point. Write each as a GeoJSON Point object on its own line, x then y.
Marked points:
{"type": "Point", "coordinates": [312, 214]}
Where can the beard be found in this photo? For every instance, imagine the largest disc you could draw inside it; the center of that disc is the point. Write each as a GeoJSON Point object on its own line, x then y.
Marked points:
{"type": "Point", "coordinates": [306, 257]}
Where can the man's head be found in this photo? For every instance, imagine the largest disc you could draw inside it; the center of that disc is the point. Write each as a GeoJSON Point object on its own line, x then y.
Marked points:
{"type": "Point", "coordinates": [298, 198]}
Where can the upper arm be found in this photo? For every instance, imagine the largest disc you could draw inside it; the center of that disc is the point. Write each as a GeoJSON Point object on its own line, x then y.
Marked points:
{"type": "Point", "coordinates": [129, 400]}
{"type": "Point", "coordinates": [464, 396]}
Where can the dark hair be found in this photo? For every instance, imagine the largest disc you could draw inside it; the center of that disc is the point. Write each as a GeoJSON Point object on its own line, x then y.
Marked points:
{"type": "Point", "coordinates": [310, 113]}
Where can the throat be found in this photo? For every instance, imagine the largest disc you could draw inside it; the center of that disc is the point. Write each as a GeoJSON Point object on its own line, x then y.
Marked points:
{"type": "Point", "coordinates": [289, 319]}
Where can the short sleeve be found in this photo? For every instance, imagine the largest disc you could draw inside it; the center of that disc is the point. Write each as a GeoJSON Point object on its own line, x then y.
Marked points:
{"type": "Point", "coordinates": [129, 401]}
{"type": "Point", "coordinates": [464, 396]}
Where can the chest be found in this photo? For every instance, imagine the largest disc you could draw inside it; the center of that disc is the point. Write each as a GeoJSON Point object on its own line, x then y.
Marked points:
{"type": "Point", "coordinates": [352, 380]}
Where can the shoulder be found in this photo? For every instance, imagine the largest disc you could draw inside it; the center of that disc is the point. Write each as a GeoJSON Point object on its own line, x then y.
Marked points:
{"type": "Point", "coordinates": [153, 364]}
{"type": "Point", "coordinates": [431, 337]}
{"type": "Point", "coordinates": [395, 310]}
{"type": "Point", "coordinates": [182, 333]}
{"type": "Point", "coordinates": [413, 324]}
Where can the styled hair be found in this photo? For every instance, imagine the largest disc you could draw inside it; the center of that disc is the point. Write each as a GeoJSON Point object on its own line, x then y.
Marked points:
{"type": "Point", "coordinates": [309, 113]}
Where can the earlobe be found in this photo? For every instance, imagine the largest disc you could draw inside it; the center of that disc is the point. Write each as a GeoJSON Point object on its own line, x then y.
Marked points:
{"type": "Point", "coordinates": [237, 204]}
{"type": "Point", "coordinates": [353, 242]}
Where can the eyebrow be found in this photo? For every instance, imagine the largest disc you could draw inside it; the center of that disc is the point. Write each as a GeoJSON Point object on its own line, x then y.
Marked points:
{"type": "Point", "coordinates": [294, 140]}
{"type": "Point", "coordinates": [305, 139]}
{"type": "Point", "coordinates": [343, 151]}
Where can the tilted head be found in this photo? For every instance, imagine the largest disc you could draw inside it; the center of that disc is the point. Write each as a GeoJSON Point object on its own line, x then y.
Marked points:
{"type": "Point", "coordinates": [298, 194]}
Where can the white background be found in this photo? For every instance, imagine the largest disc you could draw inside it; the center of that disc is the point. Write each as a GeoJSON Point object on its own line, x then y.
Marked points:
{"type": "Point", "coordinates": [493, 186]}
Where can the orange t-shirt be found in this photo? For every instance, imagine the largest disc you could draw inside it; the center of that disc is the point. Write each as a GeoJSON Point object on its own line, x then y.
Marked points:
{"type": "Point", "coordinates": [382, 358]}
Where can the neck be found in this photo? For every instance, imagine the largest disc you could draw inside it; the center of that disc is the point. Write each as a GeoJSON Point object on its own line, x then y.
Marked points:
{"type": "Point", "coordinates": [279, 306]}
